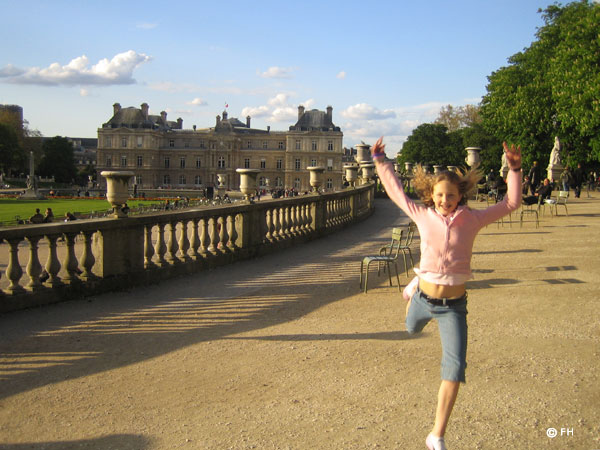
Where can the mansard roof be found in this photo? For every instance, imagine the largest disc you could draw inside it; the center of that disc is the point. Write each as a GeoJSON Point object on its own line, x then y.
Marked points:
{"type": "Point", "coordinates": [314, 120]}
{"type": "Point", "coordinates": [132, 117]}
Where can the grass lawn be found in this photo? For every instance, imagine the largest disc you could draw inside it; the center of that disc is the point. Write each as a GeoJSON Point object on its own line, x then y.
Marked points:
{"type": "Point", "coordinates": [11, 207]}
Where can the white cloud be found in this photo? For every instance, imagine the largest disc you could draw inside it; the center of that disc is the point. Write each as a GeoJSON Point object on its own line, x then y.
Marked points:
{"type": "Point", "coordinates": [341, 75]}
{"type": "Point", "coordinates": [258, 111]}
{"type": "Point", "coordinates": [284, 114]}
{"type": "Point", "coordinates": [279, 100]}
{"type": "Point", "coordinates": [118, 70]}
{"type": "Point", "coordinates": [197, 102]}
{"type": "Point", "coordinates": [84, 92]}
{"type": "Point", "coordinates": [277, 72]}
{"type": "Point", "coordinates": [362, 111]}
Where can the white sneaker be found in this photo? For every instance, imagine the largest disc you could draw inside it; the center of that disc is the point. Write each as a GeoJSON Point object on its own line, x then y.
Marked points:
{"type": "Point", "coordinates": [435, 443]}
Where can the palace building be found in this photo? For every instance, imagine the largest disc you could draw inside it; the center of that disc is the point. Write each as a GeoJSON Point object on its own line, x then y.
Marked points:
{"type": "Point", "coordinates": [161, 153]}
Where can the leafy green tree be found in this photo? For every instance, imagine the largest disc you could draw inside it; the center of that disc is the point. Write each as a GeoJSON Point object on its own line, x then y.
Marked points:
{"type": "Point", "coordinates": [428, 144]}
{"type": "Point", "coordinates": [552, 88]}
{"type": "Point", "coordinates": [12, 154]}
{"type": "Point", "coordinates": [58, 160]}
{"type": "Point", "coordinates": [459, 117]}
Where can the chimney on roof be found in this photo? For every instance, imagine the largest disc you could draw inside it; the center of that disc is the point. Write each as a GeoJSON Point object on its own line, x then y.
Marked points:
{"type": "Point", "coordinates": [163, 116]}
{"type": "Point", "coordinates": [194, 127]}
{"type": "Point", "coordinates": [218, 120]}
{"type": "Point", "coordinates": [330, 113]}
{"type": "Point", "coordinates": [268, 128]}
{"type": "Point", "coordinates": [247, 121]}
{"type": "Point", "coordinates": [300, 112]}
{"type": "Point", "coordinates": [224, 115]}
{"type": "Point", "coordinates": [180, 124]}
{"type": "Point", "coordinates": [116, 108]}
{"type": "Point", "coordinates": [145, 108]}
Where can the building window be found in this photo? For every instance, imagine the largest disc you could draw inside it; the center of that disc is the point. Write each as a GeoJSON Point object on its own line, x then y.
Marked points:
{"type": "Point", "coordinates": [330, 165]}
{"type": "Point", "coordinates": [281, 145]}
{"type": "Point", "coordinates": [140, 161]}
{"type": "Point", "coordinates": [171, 142]}
{"type": "Point", "coordinates": [181, 179]}
{"type": "Point", "coordinates": [221, 162]}
{"type": "Point", "coordinates": [140, 141]}
{"type": "Point", "coordinates": [297, 183]}
{"type": "Point", "coordinates": [298, 146]}
{"type": "Point", "coordinates": [186, 144]}
{"type": "Point", "coordinates": [314, 145]}
{"type": "Point", "coordinates": [202, 144]}
{"type": "Point", "coordinates": [263, 164]}
{"type": "Point", "coordinates": [107, 141]}
{"type": "Point", "coordinates": [247, 163]}
{"type": "Point", "coordinates": [279, 163]}
{"type": "Point", "coordinates": [197, 180]}
{"type": "Point", "coordinates": [330, 146]}
{"type": "Point", "coordinates": [167, 179]}
{"type": "Point", "coordinates": [167, 162]}
{"type": "Point", "coordinates": [124, 142]}
{"type": "Point", "coordinates": [313, 162]}
{"type": "Point", "coordinates": [182, 162]}
{"type": "Point", "coordinates": [278, 182]}
{"type": "Point", "coordinates": [213, 145]}
{"type": "Point", "coordinates": [329, 183]}
{"type": "Point", "coordinates": [123, 161]}
{"type": "Point", "coordinates": [138, 180]}
{"type": "Point", "coordinates": [262, 182]}
{"type": "Point", "coordinates": [198, 163]}
{"type": "Point", "coordinates": [297, 164]}
{"type": "Point", "coordinates": [108, 161]}
{"type": "Point", "coordinates": [265, 144]}
{"type": "Point", "coordinates": [249, 144]}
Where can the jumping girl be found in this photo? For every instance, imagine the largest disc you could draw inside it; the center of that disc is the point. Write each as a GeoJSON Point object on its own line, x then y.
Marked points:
{"type": "Point", "coordinates": [447, 228]}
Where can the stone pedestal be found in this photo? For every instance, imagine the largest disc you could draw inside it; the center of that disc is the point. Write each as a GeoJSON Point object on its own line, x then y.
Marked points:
{"type": "Point", "coordinates": [554, 171]}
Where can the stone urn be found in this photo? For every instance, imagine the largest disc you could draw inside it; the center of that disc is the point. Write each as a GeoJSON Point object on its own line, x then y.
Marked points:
{"type": "Point", "coordinates": [363, 152]}
{"type": "Point", "coordinates": [453, 169]}
{"type": "Point", "coordinates": [248, 182]}
{"type": "Point", "coordinates": [408, 167]}
{"type": "Point", "coordinates": [117, 190]}
{"type": "Point", "coordinates": [351, 173]}
{"type": "Point", "coordinates": [221, 180]}
{"type": "Point", "coordinates": [437, 168]}
{"type": "Point", "coordinates": [473, 159]}
{"type": "Point", "coordinates": [316, 173]}
{"type": "Point", "coordinates": [367, 171]}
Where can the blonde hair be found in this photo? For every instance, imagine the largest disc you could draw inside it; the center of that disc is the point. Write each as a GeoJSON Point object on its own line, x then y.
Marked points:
{"type": "Point", "coordinates": [465, 180]}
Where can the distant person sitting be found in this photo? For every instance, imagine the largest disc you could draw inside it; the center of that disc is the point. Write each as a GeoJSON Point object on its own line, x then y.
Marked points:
{"type": "Point", "coordinates": [498, 188]}
{"type": "Point", "coordinates": [37, 217]}
{"type": "Point", "coordinates": [49, 216]}
{"type": "Point", "coordinates": [69, 216]}
{"type": "Point", "coordinates": [544, 191]}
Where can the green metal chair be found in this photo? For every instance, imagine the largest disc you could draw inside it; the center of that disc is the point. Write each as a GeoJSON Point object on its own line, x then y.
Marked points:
{"type": "Point", "coordinates": [387, 255]}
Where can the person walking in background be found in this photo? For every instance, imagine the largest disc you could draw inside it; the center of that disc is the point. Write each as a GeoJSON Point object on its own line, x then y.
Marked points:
{"type": "Point", "coordinates": [566, 179]}
{"type": "Point", "coordinates": [447, 227]}
{"type": "Point", "coordinates": [535, 177]}
{"type": "Point", "coordinates": [578, 179]}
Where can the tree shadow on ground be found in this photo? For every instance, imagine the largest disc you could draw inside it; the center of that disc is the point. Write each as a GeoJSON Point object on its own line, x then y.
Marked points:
{"type": "Point", "coordinates": [117, 441]}
{"type": "Point", "coordinates": [383, 336]}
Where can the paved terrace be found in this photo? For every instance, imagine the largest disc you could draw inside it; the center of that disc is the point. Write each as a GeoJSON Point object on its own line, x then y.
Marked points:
{"type": "Point", "coordinates": [286, 352]}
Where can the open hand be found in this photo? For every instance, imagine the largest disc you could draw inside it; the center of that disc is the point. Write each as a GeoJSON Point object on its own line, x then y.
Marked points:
{"type": "Point", "coordinates": [378, 147]}
{"type": "Point", "coordinates": [513, 156]}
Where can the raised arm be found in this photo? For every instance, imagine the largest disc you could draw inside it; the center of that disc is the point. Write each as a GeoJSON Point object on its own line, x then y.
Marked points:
{"type": "Point", "coordinates": [393, 186]}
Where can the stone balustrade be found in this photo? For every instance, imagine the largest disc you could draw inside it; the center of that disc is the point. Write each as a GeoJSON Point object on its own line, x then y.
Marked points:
{"type": "Point", "coordinates": [121, 253]}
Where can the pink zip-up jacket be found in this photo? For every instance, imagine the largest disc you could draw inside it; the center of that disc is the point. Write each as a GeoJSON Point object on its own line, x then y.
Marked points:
{"type": "Point", "coordinates": [447, 242]}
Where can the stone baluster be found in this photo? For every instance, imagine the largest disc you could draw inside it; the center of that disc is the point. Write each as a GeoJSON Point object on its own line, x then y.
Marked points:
{"type": "Point", "coordinates": [87, 258]}
{"type": "Point", "coordinates": [204, 237]}
{"type": "Point", "coordinates": [172, 243]}
{"type": "Point", "coordinates": [148, 247]}
{"type": "Point", "coordinates": [305, 222]}
{"type": "Point", "coordinates": [184, 241]}
{"type": "Point", "coordinates": [233, 234]}
{"type": "Point", "coordinates": [223, 235]}
{"type": "Point", "coordinates": [71, 263]}
{"type": "Point", "coordinates": [276, 224]}
{"type": "Point", "coordinates": [269, 222]}
{"type": "Point", "coordinates": [14, 272]}
{"type": "Point", "coordinates": [160, 248]}
{"type": "Point", "coordinates": [52, 263]}
{"type": "Point", "coordinates": [283, 221]}
{"type": "Point", "coordinates": [34, 268]}
{"type": "Point", "coordinates": [213, 234]}
{"type": "Point", "coordinates": [195, 241]}
{"type": "Point", "coordinates": [294, 219]}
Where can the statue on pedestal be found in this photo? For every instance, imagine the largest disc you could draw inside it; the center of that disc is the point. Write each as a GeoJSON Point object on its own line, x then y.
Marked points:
{"type": "Point", "coordinates": [555, 166]}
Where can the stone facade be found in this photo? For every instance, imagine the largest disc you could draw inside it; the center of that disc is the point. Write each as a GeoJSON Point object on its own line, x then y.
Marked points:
{"type": "Point", "coordinates": [162, 153]}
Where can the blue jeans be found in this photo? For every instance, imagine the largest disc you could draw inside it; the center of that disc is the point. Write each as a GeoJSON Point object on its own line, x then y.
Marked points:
{"type": "Point", "coordinates": [452, 323]}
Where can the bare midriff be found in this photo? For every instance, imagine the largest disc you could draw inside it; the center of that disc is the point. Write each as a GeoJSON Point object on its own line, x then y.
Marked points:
{"type": "Point", "coordinates": [441, 290]}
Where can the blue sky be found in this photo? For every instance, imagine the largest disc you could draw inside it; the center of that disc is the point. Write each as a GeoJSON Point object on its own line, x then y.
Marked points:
{"type": "Point", "coordinates": [384, 66]}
